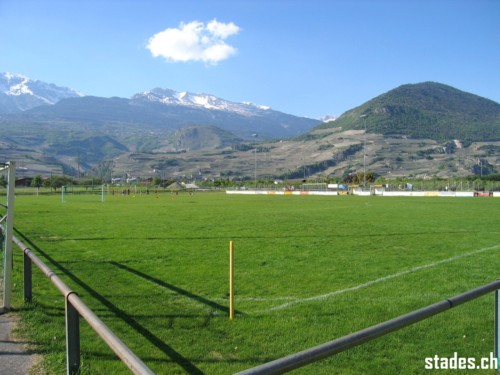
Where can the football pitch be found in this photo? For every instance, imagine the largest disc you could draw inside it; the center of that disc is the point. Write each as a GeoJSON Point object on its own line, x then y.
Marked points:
{"type": "Point", "coordinates": [308, 269]}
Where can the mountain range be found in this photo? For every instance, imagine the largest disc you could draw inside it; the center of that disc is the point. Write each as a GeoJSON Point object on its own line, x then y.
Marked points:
{"type": "Point", "coordinates": [158, 109]}
{"type": "Point", "coordinates": [425, 129]}
{"type": "Point", "coordinates": [19, 93]}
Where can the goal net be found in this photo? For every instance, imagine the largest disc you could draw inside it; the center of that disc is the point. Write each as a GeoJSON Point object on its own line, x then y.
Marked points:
{"type": "Point", "coordinates": [314, 187]}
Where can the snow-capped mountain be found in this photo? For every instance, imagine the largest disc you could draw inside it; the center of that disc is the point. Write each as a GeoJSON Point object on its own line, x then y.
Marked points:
{"type": "Point", "coordinates": [20, 93]}
{"type": "Point", "coordinates": [207, 101]}
{"type": "Point", "coordinates": [165, 109]}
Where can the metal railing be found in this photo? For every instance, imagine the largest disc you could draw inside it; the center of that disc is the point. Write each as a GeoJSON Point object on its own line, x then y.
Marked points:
{"type": "Point", "coordinates": [75, 308]}
{"type": "Point", "coordinates": [330, 348]}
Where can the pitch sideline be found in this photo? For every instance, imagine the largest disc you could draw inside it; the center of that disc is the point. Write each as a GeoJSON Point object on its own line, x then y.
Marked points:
{"type": "Point", "coordinates": [376, 281]}
{"type": "Point", "coordinates": [296, 301]}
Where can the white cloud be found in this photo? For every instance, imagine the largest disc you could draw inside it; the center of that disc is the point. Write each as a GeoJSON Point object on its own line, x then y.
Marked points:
{"type": "Point", "coordinates": [194, 41]}
{"type": "Point", "coordinates": [222, 30]}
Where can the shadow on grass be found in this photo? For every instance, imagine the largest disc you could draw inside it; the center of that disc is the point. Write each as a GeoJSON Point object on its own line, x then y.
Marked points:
{"type": "Point", "coordinates": [151, 337]}
{"type": "Point", "coordinates": [174, 288]}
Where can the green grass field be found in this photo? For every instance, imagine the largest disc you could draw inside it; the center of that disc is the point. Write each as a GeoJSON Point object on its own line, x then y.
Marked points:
{"type": "Point", "coordinates": [308, 269]}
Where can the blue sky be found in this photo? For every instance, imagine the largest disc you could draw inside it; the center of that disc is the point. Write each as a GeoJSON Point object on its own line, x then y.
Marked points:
{"type": "Point", "coordinates": [304, 57]}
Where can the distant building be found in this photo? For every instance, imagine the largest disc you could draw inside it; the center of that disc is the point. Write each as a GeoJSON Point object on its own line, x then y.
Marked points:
{"type": "Point", "coordinates": [24, 181]}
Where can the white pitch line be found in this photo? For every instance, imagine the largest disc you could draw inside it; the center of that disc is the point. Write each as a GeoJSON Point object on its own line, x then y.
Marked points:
{"type": "Point", "coordinates": [376, 281]}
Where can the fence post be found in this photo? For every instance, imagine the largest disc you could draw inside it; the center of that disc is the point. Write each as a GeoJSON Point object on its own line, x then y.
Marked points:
{"type": "Point", "coordinates": [7, 245]}
{"type": "Point", "coordinates": [28, 294]}
{"type": "Point", "coordinates": [72, 338]}
{"type": "Point", "coordinates": [231, 280]}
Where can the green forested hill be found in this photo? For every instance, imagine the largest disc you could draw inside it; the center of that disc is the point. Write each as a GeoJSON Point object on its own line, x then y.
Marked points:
{"type": "Point", "coordinates": [426, 110]}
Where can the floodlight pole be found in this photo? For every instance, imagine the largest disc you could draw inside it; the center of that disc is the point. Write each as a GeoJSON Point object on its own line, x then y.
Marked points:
{"type": "Point", "coordinates": [255, 159]}
{"type": "Point", "coordinates": [364, 154]}
{"type": "Point", "coordinates": [255, 174]}
{"type": "Point", "coordinates": [9, 227]}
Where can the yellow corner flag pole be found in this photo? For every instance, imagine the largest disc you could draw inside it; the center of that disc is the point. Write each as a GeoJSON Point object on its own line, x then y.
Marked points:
{"type": "Point", "coordinates": [231, 280]}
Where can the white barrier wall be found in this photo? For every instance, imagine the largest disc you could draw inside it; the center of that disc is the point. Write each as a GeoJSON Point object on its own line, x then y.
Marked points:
{"type": "Point", "coordinates": [280, 192]}
{"type": "Point", "coordinates": [464, 194]}
{"type": "Point", "coordinates": [403, 193]}
{"type": "Point", "coordinates": [363, 193]}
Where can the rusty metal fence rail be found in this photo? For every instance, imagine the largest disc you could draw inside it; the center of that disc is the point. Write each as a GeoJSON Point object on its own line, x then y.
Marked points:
{"type": "Point", "coordinates": [75, 308]}
{"type": "Point", "coordinates": [330, 348]}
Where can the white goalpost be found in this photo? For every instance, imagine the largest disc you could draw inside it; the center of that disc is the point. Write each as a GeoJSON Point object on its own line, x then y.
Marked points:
{"type": "Point", "coordinates": [65, 192]}
{"type": "Point", "coordinates": [319, 186]}
{"type": "Point", "coordinates": [7, 223]}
